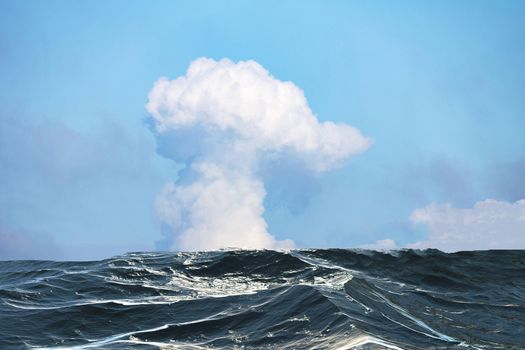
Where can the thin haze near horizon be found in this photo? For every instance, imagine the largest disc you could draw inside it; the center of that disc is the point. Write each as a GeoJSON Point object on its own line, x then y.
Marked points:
{"type": "Point", "coordinates": [139, 126]}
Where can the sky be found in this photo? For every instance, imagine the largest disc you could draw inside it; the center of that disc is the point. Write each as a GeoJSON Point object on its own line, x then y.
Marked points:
{"type": "Point", "coordinates": [188, 125]}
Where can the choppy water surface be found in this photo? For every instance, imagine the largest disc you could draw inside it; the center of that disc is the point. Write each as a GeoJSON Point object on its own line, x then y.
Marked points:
{"type": "Point", "coordinates": [309, 299]}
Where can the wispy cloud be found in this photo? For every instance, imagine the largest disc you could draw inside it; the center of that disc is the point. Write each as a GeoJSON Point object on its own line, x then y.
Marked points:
{"type": "Point", "coordinates": [507, 179]}
{"type": "Point", "coordinates": [438, 178]}
{"type": "Point", "coordinates": [20, 244]}
{"type": "Point", "coordinates": [227, 121]}
{"type": "Point", "coordinates": [76, 186]}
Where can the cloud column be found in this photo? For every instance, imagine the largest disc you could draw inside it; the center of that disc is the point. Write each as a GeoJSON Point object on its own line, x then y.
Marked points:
{"type": "Point", "coordinates": [223, 120]}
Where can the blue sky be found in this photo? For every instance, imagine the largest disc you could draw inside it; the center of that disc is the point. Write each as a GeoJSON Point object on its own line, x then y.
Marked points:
{"type": "Point", "coordinates": [438, 85]}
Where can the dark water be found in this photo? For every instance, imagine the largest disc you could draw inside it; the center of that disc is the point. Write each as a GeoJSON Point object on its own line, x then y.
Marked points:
{"type": "Point", "coordinates": [309, 299]}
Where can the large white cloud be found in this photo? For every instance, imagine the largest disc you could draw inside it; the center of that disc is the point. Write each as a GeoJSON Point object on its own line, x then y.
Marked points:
{"type": "Point", "coordinates": [223, 120]}
{"type": "Point", "coordinates": [489, 224]}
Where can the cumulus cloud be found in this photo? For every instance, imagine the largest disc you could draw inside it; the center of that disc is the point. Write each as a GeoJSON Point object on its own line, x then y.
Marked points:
{"type": "Point", "coordinates": [225, 121]}
{"type": "Point", "coordinates": [489, 224]}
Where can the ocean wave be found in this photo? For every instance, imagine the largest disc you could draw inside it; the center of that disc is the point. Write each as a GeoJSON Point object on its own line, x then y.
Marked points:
{"type": "Point", "coordinates": [306, 299]}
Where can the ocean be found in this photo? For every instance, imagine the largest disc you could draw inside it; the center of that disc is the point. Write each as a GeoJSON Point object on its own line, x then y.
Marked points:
{"type": "Point", "coordinates": [241, 299]}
